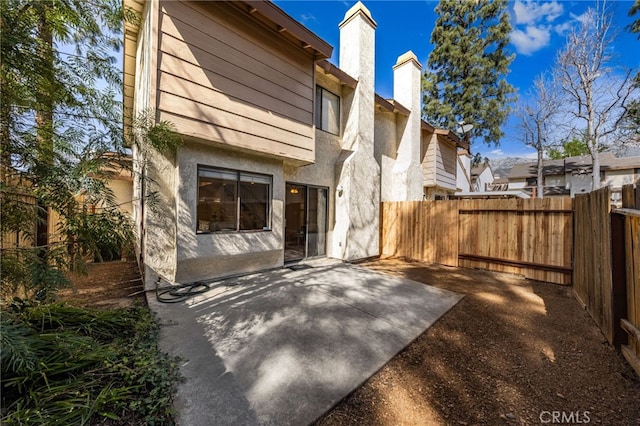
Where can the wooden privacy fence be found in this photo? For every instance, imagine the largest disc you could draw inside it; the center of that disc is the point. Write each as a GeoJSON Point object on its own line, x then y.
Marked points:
{"type": "Point", "coordinates": [625, 229]}
{"type": "Point", "coordinates": [529, 237]}
{"type": "Point", "coordinates": [592, 278]}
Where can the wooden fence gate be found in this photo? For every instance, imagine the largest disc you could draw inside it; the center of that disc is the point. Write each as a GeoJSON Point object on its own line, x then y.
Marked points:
{"type": "Point", "coordinates": [528, 237]}
{"type": "Point", "coordinates": [592, 260]}
{"type": "Point", "coordinates": [625, 230]}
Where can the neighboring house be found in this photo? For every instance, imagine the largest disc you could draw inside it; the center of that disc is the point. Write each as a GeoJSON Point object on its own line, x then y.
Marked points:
{"type": "Point", "coordinates": [119, 179]}
{"type": "Point", "coordinates": [481, 177]}
{"type": "Point", "coordinates": [499, 184]}
{"type": "Point", "coordinates": [478, 182]}
{"type": "Point", "coordinates": [572, 175]}
{"type": "Point", "coordinates": [284, 155]}
{"type": "Point", "coordinates": [117, 176]}
{"type": "Point", "coordinates": [439, 162]}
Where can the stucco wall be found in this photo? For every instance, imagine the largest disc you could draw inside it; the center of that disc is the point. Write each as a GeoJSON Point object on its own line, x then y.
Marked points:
{"type": "Point", "coordinates": [407, 170]}
{"type": "Point", "coordinates": [201, 256]}
{"type": "Point", "coordinates": [463, 168]}
{"type": "Point", "coordinates": [123, 193]}
{"type": "Point", "coordinates": [321, 173]}
{"type": "Point", "coordinates": [485, 178]}
{"type": "Point", "coordinates": [356, 231]}
{"type": "Point", "coordinates": [555, 180]}
{"type": "Point", "coordinates": [385, 148]}
{"type": "Point", "coordinates": [159, 239]}
{"type": "Point", "coordinates": [580, 184]}
{"type": "Point", "coordinates": [617, 178]}
{"type": "Point", "coordinates": [517, 183]}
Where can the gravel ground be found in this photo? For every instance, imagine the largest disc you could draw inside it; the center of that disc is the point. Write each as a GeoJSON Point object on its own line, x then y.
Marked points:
{"type": "Point", "coordinates": [512, 352]}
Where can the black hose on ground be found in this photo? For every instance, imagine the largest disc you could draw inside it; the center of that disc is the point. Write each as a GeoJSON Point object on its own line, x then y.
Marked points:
{"type": "Point", "coordinates": [180, 292]}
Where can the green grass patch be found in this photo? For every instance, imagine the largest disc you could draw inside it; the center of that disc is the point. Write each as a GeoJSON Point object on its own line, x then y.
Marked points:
{"type": "Point", "coordinates": [66, 365]}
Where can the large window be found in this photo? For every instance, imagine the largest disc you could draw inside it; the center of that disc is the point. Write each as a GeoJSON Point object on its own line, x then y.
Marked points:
{"type": "Point", "coordinates": [230, 200]}
{"type": "Point", "coordinates": [327, 111]}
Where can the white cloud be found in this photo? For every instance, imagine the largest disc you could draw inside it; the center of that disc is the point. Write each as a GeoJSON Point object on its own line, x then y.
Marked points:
{"type": "Point", "coordinates": [531, 39]}
{"type": "Point", "coordinates": [531, 12]}
{"type": "Point", "coordinates": [561, 29]}
{"type": "Point", "coordinates": [583, 18]}
{"type": "Point", "coordinates": [534, 22]}
{"type": "Point", "coordinates": [305, 17]}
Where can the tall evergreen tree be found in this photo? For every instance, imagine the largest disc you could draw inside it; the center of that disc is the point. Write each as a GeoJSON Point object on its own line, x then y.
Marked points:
{"type": "Point", "coordinates": [631, 124]}
{"type": "Point", "coordinates": [467, 68]}
{"type": "Point", "coordinates": [635, 10]}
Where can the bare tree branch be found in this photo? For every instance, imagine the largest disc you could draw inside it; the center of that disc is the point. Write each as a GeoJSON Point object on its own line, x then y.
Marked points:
{"type": "Point", "coordinates": [536, 115]}
{"type": "Point", "coordinates": [587, 75]}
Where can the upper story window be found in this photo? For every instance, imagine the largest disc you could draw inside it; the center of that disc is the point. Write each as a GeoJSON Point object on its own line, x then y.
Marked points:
{"type": "Point", "coordinates": [327, 111]}
{"type": "Point", "coordinates": [231, 200]}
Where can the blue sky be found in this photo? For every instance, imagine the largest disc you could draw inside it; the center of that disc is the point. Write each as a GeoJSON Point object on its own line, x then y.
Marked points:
{"type": "Point", "coordinates": [539, 31]}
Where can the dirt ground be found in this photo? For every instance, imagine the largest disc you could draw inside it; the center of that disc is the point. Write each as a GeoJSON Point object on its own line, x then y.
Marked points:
{"type": "Point", "coordinates": [512, 352]}
{"type": "Point", "coordinates": [114, 284]}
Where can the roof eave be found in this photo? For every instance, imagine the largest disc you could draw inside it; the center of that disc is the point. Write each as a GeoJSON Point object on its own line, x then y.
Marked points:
{"type": "Point", "coordinates": [342, 76]}
{"type": "Point", "coordinates": [391, 105]}
{"type": "Point", "coordinates": [286, 23]}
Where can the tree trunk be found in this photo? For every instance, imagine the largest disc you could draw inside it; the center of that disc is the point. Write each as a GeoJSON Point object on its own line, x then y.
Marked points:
{"type": "Point", "coordinates": [592, 143]}
{"type": "Point", "coordinates": [44, 118]}
{"type": "Point", "coordinates": [595, 173]}
{"type": "Point", "coordinates": [540, 178]}
{"type": "Point", "coordinates": [44, 98]}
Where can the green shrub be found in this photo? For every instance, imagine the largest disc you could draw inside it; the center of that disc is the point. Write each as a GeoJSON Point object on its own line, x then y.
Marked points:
{"type": "Point", "coordinates": [66, 365]}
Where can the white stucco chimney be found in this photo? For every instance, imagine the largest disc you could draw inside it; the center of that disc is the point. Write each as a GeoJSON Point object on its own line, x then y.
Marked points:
{"type": "Point", "coordinates": [357, 58]}
{"type": "Point", "coordinates": [407, 172]}
{"type": "Point", "coordinates": [356, 231]}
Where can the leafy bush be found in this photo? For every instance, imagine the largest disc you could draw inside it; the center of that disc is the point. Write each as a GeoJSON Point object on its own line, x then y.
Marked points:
{"type": "Point", "coordinates": [68, 365]}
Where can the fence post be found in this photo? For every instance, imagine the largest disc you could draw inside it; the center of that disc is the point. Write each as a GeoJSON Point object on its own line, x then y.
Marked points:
{"type": "Point", "coordinates": [619, 278]}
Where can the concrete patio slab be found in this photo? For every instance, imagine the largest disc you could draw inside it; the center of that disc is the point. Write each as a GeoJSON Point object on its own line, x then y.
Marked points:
{"type": "Point", "coordinates": [282, 347]}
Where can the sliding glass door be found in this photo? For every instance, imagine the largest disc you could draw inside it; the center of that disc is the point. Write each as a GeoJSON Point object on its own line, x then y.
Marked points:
{"type": "Point", "coordinates": [306, 209]}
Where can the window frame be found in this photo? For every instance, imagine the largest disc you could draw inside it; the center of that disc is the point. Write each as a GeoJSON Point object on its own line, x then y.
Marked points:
{"type": "Point", "coordinates": [238, 201]}
{"type": "Point", "coordinates": [318, 110]}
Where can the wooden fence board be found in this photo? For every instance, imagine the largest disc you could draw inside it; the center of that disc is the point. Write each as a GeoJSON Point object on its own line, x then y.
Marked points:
{"type": "Point", "coordinates": [631, 196]}
{"type": "Point", "coordinates": [509, 235]}
{"type": "Point", "coordinates": [632, 256]}
{"type": "Point", "coordinates": [592, 261]}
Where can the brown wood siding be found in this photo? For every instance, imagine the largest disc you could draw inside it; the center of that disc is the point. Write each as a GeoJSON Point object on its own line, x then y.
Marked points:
{"type": "Point", "coordinates": [205, 130]}
{"type": "Point", "coordinates": [428, 156]}
{"type": "Point", "coordinates": [445, 164]}
{"type": "Point", "coordinates": [129, 59]}
{"type": "Point", "coordinates": [227, 81]}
